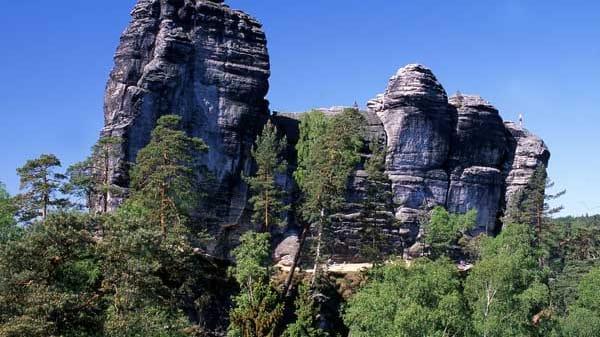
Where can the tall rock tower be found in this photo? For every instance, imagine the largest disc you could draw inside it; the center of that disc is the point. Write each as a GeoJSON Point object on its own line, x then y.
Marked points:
{"type": "Point", "coordinates": [205, 62]}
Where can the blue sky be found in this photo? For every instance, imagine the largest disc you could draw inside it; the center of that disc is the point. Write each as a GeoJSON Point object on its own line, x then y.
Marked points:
{"type": "Point", "coordinates": [539, 58]}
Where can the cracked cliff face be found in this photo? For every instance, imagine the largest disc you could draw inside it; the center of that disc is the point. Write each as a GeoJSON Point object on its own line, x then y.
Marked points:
{"type": "Point", "coordinates": [200, 60]}
{"type": "Point", "coordinates": [419, 124]}
{"type": "Point", "coordinates": [209, 64]}
{"type": "Point", "coordinates": [455, 152]}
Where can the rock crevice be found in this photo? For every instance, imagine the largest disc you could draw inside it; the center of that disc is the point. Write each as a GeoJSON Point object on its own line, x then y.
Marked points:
{"type": "Point", "coordinates": [209, 64]}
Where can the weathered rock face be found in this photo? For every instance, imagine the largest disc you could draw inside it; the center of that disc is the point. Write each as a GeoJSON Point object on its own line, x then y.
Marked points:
{"type": "Point", "coordinates": [420, 125]}
{"type": "Point", "coordinates": [527, 152]}
{"type": "Point", "coordinates": [200, 60]}
{"type": "Point", "coordinates": [455, 153]}
{"type": "Point", "coordinates": [480, 148]}
{"type": "Point", "coordinates": [209, 64]}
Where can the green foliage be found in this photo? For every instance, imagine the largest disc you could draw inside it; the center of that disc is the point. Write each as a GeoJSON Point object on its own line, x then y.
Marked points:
{"type": "Point", "coordinates": [252, 258]}
{"type": "Point", "coordinates": [41, 184]}
{"type": "Point", "coordinates": [257, 312]}
{"type": "Point", "coordinates": [151, 263]}
{"type": "Point", "coordinates": [50, 280]}
{"type": "Point", "coordinates": [89, 180]}
{"type": "Point", "coordinates": [532, 206]}
{"type": "Point", "coordinates": [421, 300]}
{"type": "Point", "coordinates": [257, 308]}
{"type": "Point", "coordinates": [505, 289]}
{"type": "Point", "coordinates": [446, 228]}
{"type": "Point", "coordinates": [331, 148]}
{"type": "Point", "coordinates": [313, 125]}
{"type": "Point", "coordinates": [306, 313]}
{"type": "Point", "coordinates": [267, 194]}
{"type": "Point", "coordinates": [579, 244]}
{"type": "Point", "coordinates": [165, 177]}
{"type": "Point", "coordinates": [583, 319]}
{"type": "Point", "coordinates": [104, 153]}
{"type": "Point", "coordinates": [8, 224]}
{"type": "Point", "coordinates": [327, 163]}
{"type": "Point", "coordinates": [148, 274]}
{"type": "Point", "coordinates": [81, 183]}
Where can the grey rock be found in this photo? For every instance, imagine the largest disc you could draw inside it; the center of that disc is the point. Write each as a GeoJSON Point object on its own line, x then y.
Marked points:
{"type": "Point", "coordinates": [419, 124]}
{"type": "Point", "coordinates": [209, 64]}
{"type": "Point", "coordinates": [479, 149]}
{"type": "Point", "coordinates": [287, 248]}
{"type": "Point", "coordinates": [527, 153]}
{"type": "Point", "coordinates": [200, 60]}
{"type": "Point", "coordinates": [455, 152]}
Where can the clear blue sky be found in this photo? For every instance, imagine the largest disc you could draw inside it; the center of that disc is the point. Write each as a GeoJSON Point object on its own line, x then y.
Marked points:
{"type": "Point", "coordinates": [541, 58]}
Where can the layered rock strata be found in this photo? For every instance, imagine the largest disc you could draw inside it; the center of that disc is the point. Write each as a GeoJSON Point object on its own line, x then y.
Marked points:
{"type": "Point", "coordinates": [209, 64]}
{"type": "Point", "coordinates": [455, 152]}
{"type": "Point", "coordinates": [200, 60]}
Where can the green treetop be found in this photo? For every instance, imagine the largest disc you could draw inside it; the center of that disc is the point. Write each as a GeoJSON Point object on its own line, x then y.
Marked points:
{"type": "Point", "coordinates": [306, 311]}
{"type": "Point", "coordinates": [257, 310]}
{"type": "Point", "coordinates": [41, 183]}
{"type": "Point", "coordinates": [313, 125]}
{"type": "Point", "coordinates": [81, 183]}
{"type": "Point", "coordinates": [8, 224]}
{"type": "Point", "coordinates": [330, 162]}
{"type": "Point", "coordinates": [267, 194]}
{"type": "Point", "coordinates": [164, 178]}
{"type": "Point", "coordinates": [90, 179]}
{"type": "Point", "coordinates": [50, 280]}
{"type": "Point", "coordinates": [505, 289]}
{"type": "Point", "coordinates": [400, 301]}
{"type": "Point", "coordinates": [583, 319]}
{"type": "Point", "coordinates": [444, 229]}
{"type": "Point", "coordinates": [103, 155]}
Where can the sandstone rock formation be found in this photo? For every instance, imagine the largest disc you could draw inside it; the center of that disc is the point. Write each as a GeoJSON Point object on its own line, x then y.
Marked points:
{"type": "Point", "coordinates": [452, 152]}
{"type": "Point", "coordinates": [209, 64]}
{"type": "Point", "coordinates": [200, 60]}
{"type": "Point", "coordinates": [419, 124]}
{"type": "Point", "coordinates": [455, 153]}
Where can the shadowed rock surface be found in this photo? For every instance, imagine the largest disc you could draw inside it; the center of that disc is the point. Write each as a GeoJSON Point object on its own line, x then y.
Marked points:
{"type": "Point", "coordinates": [200, 60]}
{"type": "Point", "coordinates": [480, 148]}
{"type": "Point", "coordinates": [419, 124]}
{"type": "Point", "coordinates": [209, 64]}
{"type": "Point", "coordinates": [455, 152]}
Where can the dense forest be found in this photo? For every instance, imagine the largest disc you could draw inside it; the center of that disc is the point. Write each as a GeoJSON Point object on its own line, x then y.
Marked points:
{"type": "Point", "coordinates": [69, 267]}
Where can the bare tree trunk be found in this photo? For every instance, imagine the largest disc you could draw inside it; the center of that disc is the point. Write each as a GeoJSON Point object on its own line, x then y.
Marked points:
{"type": "Point", "coordinates": [45, 199]}
{"type": "Point", "coordinates": [106, 169]}
{"type": "Point", "coordinates": [317, 267]}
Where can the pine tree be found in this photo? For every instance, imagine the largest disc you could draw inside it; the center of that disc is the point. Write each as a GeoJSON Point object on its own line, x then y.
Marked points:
{"type": "Point", "coordinates": [267, 194]}
{"type": "Point", "coordinates": [313, 126]}
{"type": "Point", "coordinates": [257, 310]}
{"type": "Point", "coordinates": [50, 280]}
{"type": "Point", "coordinates": [165, 178]}
{"type": "Point", "coordinates": [81, 183]}
{"type": "Point", "coordinates": [532, 206]}
{"type": "Point", "coordinates": [306, 313]}
{"type": "Point", "coordinates": [148, 274]}
{"type": "Point", "coordinates": [41, 184]}
{"type": "Point", "coordinates": [103, 154]}
{"type": "Point", "coordinates": [331, 161]}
